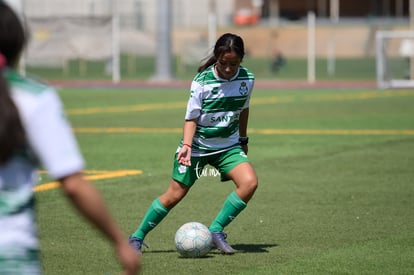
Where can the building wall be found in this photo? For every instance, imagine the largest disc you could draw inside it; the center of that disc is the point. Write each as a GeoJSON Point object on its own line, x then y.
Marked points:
{"type": "Point", "coordinates": [190, 30]}
{"type": "Point", "coordinates": [347, 8]}
{"type": "Point", "coordinates": [136, 14]}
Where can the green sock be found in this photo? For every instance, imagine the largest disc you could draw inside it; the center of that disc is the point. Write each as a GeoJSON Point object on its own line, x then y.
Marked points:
{"type": "Point", "coordinates": [231, 208]}
{"type": "Point", "coordinates": [155, 213]}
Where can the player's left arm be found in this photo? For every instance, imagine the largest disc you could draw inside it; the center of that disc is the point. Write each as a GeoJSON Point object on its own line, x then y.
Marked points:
{"type": "Point", "coordinates": [243, 120]}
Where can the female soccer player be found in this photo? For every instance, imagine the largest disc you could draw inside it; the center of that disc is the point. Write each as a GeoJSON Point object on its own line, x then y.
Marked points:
{"type": "Point", "coordinates": [214, 133]}
{"type": "Point", "coordinates": [34, 130]}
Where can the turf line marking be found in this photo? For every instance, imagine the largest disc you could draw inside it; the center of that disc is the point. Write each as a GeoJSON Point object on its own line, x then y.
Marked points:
{"type": "Point", "coordinates": [255, 101]}
{"type": "Point", "coordinates": [332, 132]}
{"type": "Point", "coordinates": [385, 132]}
{"type": "Point", "coordinates": [360, 96]}
{"type": "Point", "coordinates": [95, 175]}
{"type": "Point", "coordinates": [126, 109]}
{"type": "Point", "coordinates": [127, 130]}
{"type": "Point", "coordinates": [332, 97]}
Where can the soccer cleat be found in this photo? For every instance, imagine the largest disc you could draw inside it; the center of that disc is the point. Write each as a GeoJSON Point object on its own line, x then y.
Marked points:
{"type": "Point", "coordinates": [219, 241]}
{"type": "Point", "coordinates": [137, 244]}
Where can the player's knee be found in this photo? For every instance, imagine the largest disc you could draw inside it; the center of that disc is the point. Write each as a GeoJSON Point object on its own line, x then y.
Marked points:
{"type": "Point", "coordinates": [171, 199]}
{"type": "Point", "coordinates": [251, 183]}
{"type": "Point", "coordinates": [254, 183]}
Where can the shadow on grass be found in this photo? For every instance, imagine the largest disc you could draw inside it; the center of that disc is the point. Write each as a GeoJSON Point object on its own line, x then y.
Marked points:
{"type": "Point", "coordinates": [240, 248]}
{"type": "Point", "coordinates": [253, 248]}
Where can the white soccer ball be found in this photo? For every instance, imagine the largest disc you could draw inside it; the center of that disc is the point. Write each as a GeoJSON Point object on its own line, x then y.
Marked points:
{"type": "Point", "coordinates": [193, 240]}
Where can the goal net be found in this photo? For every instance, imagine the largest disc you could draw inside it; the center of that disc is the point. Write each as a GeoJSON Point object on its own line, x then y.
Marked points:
{"type": "Point", "coordinates": [55, 41]}
{"type": "Point", "coordinates": [395, 59]}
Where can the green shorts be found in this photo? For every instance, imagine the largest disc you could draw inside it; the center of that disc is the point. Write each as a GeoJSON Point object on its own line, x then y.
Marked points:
{"type": "Point", "coordinates": [224, 162]}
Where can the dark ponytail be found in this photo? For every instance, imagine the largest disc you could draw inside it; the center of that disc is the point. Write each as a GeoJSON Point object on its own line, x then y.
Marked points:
{"type": "Point", "coordinates": [13, 39]}
{"type": "Point", "coordinates": [11, 129]}
{"type": "Point", "coordinates": [228, 42]}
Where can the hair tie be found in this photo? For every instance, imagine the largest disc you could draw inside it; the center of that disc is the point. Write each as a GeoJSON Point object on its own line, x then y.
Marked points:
{"type": "Point", "coordinates": [2, 61]}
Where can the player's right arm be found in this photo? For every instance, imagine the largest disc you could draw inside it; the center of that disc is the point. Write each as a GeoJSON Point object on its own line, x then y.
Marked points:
{"type": "Point", "coordinates": [87, 200]}
{"type": "Point", "coordinates": [184, 155]}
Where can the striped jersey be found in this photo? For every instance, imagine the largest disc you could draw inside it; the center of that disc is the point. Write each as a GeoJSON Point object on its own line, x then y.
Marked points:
{"type": "Point", "coordinates": [51, 144]}
{"type": "Point", "coordinates": [216, 103]}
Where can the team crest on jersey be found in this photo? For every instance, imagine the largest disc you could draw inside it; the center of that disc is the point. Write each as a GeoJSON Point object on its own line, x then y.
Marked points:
{"type": "Point", "coordinates": [215, 90]}
{"type": "Point", "coordinates": [243, 90]}
{"type": "Point", "coordinates": [182, 169]}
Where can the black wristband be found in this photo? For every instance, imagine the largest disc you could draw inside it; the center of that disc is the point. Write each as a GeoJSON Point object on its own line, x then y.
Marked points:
{"type": "Point", "coordinates": [243, 140]}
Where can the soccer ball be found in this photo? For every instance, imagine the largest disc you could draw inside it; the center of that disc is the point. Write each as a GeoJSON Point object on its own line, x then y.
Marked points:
{"type": "Point", "coordinates": [193, 240]}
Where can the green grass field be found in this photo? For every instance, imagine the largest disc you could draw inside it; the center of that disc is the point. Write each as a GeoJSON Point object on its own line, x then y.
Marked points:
{"type": "Point", "coordinates": [336, 193]}
{"type": "Point", "coordinates": [143, 68]}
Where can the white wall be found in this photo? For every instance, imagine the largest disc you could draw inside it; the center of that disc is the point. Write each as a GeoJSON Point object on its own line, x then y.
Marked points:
{"type": "Point", "coordinates": [134, 13]}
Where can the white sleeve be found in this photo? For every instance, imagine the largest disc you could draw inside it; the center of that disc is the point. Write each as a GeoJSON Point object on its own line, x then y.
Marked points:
{"type": "Point", "coordinates": [195, 102]}
{"type": "Point", "coordinates": [247, 103]}
{"type": "Point", "coordinates": [50, 135]}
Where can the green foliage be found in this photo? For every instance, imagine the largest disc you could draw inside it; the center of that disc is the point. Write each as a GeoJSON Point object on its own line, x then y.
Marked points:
{"type": "Point", "coordinates": [328, 202]}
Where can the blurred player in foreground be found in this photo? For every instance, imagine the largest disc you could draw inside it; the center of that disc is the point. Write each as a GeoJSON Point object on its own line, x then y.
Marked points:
{"type": "Point", "coordinates": [34, 131]}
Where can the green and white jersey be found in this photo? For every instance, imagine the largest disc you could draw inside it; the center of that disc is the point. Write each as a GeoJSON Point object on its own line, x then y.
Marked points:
{"type": "Point", "coordinates": [216, 103]}
{"type": "Point", "coordinates": [51, 143]}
